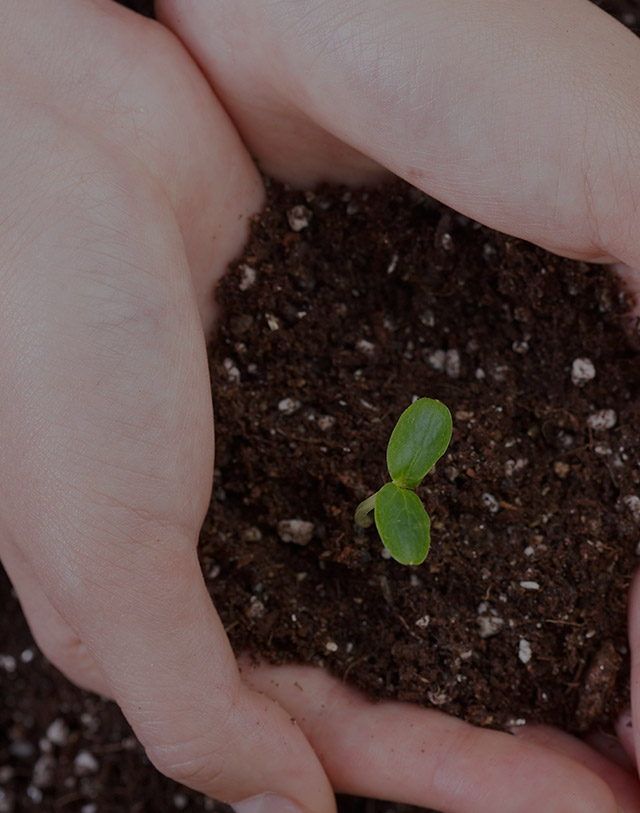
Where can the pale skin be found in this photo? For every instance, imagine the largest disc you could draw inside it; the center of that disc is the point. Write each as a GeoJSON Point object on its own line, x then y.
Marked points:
{"type": "Point", "coordinates": [126, 185]}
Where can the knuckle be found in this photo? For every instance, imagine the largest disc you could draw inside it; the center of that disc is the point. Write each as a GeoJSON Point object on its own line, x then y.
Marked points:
{"type": "Point", "coordinates": [70, 656]}
{"type": "Point", "coordinates": [194, 764]}
{"type": "Point", "coordinates": [202, 758]}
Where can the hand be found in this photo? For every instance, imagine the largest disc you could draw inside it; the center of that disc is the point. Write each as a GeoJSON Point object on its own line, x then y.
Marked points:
{"type": "Point", "coordinates": [522, 116]}
{"type": "Point", "coordinates": [110, 155]}
{"type": "Point", "coordinates": [124, 194]}
{"type": "Point", "coordinates": [116, 160]}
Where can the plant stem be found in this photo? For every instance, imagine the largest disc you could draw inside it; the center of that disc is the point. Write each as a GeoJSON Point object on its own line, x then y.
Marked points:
{"type": "Point", "coordinates": [363, 516]}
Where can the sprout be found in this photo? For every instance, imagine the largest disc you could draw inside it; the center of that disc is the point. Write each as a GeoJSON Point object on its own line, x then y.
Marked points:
{"type": "Point", "coordinates": [419, 439]}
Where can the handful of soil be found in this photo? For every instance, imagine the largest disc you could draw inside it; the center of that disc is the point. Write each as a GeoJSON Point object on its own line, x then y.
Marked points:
{"type": "Point", "coordinates": [344, 308]}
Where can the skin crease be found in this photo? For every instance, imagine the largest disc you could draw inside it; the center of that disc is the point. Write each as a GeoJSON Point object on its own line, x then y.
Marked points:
{"type": "Point", "coordinates": [125, 193]}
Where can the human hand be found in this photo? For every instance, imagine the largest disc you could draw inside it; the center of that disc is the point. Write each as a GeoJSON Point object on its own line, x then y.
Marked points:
{"type": "Point", "coordinates": [116, 160]}
{"type": "Point", "coordinates": [124, 194]}
{"type": "Point", "coordinates": [107, 425]}
{"type": "Point", "coordinates": [520, 117]}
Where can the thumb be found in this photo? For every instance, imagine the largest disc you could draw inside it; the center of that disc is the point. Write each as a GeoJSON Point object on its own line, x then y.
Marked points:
{"type": "Point", "coordinates": [167, 662]}
{"type": "Point", "coordinates": [632, 733]}
{"type": "Point", "coordinates": [172, 671]}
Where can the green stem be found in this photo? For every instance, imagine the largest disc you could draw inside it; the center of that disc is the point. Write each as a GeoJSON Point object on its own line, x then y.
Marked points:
{"type": "Point", "coordinates": [363, 516]}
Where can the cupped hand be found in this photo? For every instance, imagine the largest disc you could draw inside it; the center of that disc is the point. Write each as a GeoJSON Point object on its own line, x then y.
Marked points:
{"type": "Point", "coordinates": [125, 192]}
{"type": "Point", "coordinates": [524, 116]}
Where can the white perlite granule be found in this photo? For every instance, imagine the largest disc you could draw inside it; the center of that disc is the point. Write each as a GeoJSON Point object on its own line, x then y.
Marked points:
{"type": "Point", "coordinates": [488, 621]}
{"type": "Point", "coordinates": [582, 370]}
{"type": "Point", "coordinates": [233, 373]}
{"type": "Point", "coordinates": [288, 406]}
{"type": "Point", "coordinates": [512, 466]}
{"type": "Point", "coordinates": [296, 531]}
{"type": "Point", "coordinates": [524, 650]}
{"type": "Point", "coordinates": [366, 347]}
{"type": "Point", "coordinates": [436, 359]}
{"type": "Point", "coordinates": [85, 763]}
{"type": "Point", "coordinates": [58, 732]}
{"type": "Point", "coordinates": [633, 504]}
{"type": "Point", "coordinates": [602, 419]}
{"type": "Point", "coordinates": [490, 502]}
{"type": "Point", "coordinates": [299, 217]}
{"type": "Point", "coordinates": [325, 422]}
{"type": "Point", "coordinates": [452, 363]}
{"type": "Point", "coordinates": [248, 278]}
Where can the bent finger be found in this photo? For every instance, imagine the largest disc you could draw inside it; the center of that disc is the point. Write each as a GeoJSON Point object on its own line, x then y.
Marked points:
{"type": "Point", "coordinates": [634, 645]}
{"type": "Point", "coordinates": [420, 756]}
{"type": "Point", "coordinates": [624, 785]}
{"type": "Point", "coordinates": [624, 732]}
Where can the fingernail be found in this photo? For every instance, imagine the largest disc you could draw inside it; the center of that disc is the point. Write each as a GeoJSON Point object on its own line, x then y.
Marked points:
{"type": "Point", "coordinates": [266, 803]}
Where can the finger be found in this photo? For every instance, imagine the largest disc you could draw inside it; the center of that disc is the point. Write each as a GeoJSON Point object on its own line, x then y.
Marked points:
{"type": "Point", "coordinates": [521, 115]}
{"type": "Point", "coordinates": [612, 749]}
{"type": "Point", "coordinates": [623, 784]}
{"type": "Point", "coordinates": [624, 733]}
{"type": "Point", "coordinates": [55, 638]}
{"type": "Point", "coordinates": [417, 756]}
{"type": "Point", "coordinates": [170, 667]}
{"type": "Point", "coordinates": [634, 644]}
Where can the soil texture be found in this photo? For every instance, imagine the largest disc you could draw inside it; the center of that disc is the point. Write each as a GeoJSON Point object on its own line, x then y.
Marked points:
{"type": "Point", "coordinates": [334, 321]}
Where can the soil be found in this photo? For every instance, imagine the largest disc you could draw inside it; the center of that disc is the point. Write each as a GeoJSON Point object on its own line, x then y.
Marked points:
{"type": "Point", "coordinates": [518, 612]}
{"type": "Point", "coordinates": [329, 333]}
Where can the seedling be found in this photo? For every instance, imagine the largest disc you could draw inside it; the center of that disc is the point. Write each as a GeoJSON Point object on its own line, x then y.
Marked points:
{"type": "Point", "coordinates": [419, 439]}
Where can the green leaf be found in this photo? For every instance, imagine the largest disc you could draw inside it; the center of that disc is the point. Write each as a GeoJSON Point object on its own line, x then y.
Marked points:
{"type": "Point", "coordinates": [403, 524]}
{"type": "Point", "coordinates": [420, 437]}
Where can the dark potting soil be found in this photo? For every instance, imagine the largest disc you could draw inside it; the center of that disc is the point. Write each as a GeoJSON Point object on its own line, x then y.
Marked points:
{"type": "Point", "coordinates": [485, 305]}
{"type": "Point", "coordinates": [518, 612]}
{"type": "Point", "coordinates": [345, 307]}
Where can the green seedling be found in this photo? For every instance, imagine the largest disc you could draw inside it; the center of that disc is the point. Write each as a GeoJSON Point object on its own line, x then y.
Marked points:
{"type": "Point", "coordinates": [419, 439]}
